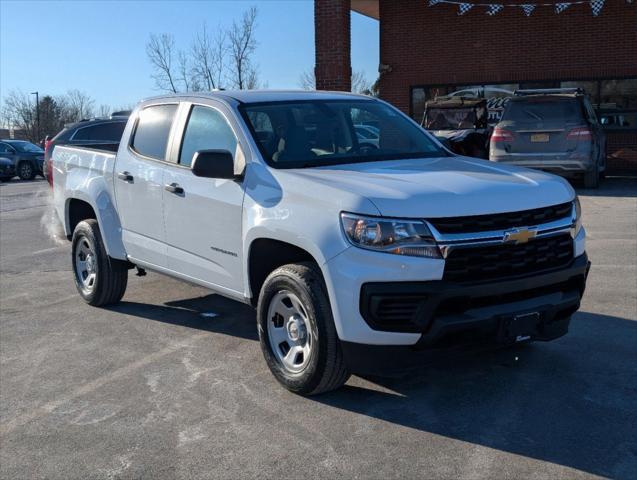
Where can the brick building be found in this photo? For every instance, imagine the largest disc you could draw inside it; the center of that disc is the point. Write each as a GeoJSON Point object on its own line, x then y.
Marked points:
{"type": "Point", "coordinates": [427, 51]}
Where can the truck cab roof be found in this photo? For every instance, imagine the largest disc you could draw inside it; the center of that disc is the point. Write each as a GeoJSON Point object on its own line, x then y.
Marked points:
{"type": "Point", "coordinates": [264, 96]}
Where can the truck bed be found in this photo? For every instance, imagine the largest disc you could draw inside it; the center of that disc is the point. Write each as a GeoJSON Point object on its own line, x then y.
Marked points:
{"type": "Point", "coordinates": [78, 169]}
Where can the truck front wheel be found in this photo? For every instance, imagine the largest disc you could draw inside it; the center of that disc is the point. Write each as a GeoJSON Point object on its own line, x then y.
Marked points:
{"type": "Point", "coordinates": [297, 333]}
{"type": "Point", "coordinates": [100, 279]}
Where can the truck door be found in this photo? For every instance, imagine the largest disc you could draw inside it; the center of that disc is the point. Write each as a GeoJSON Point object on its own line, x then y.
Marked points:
{"type": "Point", "coordinates": [139, 184]}
{"type": "Point", "coordinates": [203, 216]}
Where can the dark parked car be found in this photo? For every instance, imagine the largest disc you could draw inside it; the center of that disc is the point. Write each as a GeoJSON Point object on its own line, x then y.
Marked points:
{"type": "Point", "coordinates": [26, 157]}
{"type": "Point", "coordinates": [554, 130]}
{"type": "Point", "coordinates": [7, 170]}
{"type": "Point", "coordinates": [93, 132]}
{"type": "Point", "coordinates": [460, 123]}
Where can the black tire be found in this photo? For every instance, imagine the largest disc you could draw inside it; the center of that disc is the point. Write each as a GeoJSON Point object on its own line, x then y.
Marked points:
{"type": "Point", "coordinates": [591, 178]}
{"type": "Point", "coordinates": [26, 171]}
{"type": "Point", "coordinates": [111, 275]}
{"type": "Point", "coordinates": [325, 369]}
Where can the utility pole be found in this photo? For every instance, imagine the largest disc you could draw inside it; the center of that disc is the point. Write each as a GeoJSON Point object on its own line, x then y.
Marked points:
{"type": "Point", "coordinates": [37, 115]}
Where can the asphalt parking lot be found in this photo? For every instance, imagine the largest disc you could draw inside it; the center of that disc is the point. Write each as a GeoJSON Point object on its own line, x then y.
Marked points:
{"type": "Point", "coordinates": [151, 388]}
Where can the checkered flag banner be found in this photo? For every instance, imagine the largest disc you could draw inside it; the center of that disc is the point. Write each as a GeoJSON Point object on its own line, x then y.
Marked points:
{"type": "Point", "coordinates": [464, 8]}
{"type": "Point", "coordinates": [494, 8]}
{"type": "Point", "coordinates": [596, 6]}
{"type": "Point", "coordinates": [528, 9]}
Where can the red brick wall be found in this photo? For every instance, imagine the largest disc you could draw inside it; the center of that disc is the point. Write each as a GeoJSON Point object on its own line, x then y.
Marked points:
{"type": "Point", "coordinates": [434, 45]}
{"type": "Point", "coordinates": [332, 38]}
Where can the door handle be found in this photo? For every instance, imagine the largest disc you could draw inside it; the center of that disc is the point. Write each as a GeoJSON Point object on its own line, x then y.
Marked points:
{"type": "Point", "coordinates": [174, 188]}
{"type": "Point", "coordinates": [127, 177]}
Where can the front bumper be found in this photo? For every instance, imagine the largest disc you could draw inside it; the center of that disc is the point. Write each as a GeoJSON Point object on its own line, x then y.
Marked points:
{"type": "Point", "coordinates": [346, 273]}
{"type": "Point", "coordinates": [482, 315]}
{"type": "Point", "coordinates": [7, 171]}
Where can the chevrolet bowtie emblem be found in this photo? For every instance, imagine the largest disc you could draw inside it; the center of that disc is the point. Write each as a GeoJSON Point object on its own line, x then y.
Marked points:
{"type": "Point", "coordinates": [519, 235]}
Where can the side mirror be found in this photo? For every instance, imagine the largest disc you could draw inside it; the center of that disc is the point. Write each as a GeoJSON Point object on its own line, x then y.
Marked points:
{"type": "Point", "coordinates": [213, 164]}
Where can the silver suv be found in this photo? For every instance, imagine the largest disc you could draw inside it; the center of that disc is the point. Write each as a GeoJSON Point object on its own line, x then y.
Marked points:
{"type": "Point", "coordinates": [554, 130]}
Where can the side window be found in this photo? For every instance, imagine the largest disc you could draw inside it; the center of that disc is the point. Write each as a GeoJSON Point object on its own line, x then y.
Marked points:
{"type": "Point", "coordinates": [83, 133]}
{"type": "Point", "coordinates": [4, 148]}
{"type": "Point", "coordinates": [207, 129]}
{"type": "Point", "coordinates": [110, 132]}
{"type": "Point", "coordinates": [153, 129]}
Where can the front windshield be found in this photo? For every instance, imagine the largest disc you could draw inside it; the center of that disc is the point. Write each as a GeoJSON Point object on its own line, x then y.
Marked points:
{"type": "Point", "coordinates": [449, 119]}
{"type": "Point", "coordinates": [26, 147]}
{"type": "Point", "coordinates": [328, 132]}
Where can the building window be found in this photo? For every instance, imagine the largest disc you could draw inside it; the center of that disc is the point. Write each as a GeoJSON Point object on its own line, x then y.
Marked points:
{"type": "Point", "coordinates": [619, 94]}
{"type": "Point", "coordinates": [614, 99]}
{"type": "Point", "coordinates": [591, 88]}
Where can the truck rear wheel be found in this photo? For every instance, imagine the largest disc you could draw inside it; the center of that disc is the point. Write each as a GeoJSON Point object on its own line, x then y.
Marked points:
{"type": "Point", "coordinates": [297, 333]}
{"type": "Point", "coordinates": [99, 279]}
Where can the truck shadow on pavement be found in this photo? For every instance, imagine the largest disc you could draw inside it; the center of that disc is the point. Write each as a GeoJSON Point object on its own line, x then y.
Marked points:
{"type": "Point", "coordinates": [210, 313]}
{"type": "Point", "coordinates": [572, 402]}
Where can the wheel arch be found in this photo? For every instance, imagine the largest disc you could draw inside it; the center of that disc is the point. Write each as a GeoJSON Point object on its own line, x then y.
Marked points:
{"type": "Point", "coordinates": [267, 254]}
{"type": "Point", "coordinates": [82, 207]}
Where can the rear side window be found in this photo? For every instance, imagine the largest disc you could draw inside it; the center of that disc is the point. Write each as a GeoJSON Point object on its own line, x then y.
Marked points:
{"type": "Point", "coordinates": [533, 110]}
{"type": "Point", "coordinates": [207, 129]}
{"type": "Point", "coordinates": [4, 148]}
{"type": "Point", "coordinates": [153, 129]}
{"type": "Point", "coordinates": [107, 132]}
{"type": "Point", "coordinates": [63, 135]}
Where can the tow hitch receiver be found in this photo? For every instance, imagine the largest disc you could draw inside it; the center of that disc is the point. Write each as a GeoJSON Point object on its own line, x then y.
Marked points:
{"type": "Point", "coordinates": [519, 328]}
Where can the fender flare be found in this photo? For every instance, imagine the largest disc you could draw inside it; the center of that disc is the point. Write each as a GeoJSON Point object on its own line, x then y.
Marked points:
{"type": "Point", "coordinates": [102, 204]}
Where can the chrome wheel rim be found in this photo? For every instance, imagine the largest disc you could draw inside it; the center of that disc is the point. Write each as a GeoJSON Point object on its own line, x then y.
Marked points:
{"type": "Point", "coordinates": [289, 332]}
{"type": "Point", "coordinates": [25, 170]}
{"type": "Point", "coordinates": [85, 265]}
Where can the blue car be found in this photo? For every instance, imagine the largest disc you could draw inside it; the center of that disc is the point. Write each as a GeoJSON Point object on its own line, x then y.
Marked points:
{"type": "Point", "coordinates": [27, 158]}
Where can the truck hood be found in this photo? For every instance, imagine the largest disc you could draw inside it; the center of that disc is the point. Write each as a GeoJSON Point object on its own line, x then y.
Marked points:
{"type": "Point", "coordinates": [442, 187]}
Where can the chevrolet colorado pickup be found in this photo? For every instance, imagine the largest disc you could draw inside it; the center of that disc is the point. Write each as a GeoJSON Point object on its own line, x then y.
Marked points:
{"type": "Point", "coordinates": [349, 253]}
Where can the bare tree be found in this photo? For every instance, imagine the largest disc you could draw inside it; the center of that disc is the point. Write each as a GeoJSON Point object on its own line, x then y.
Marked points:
{"type": "Point", "coordinates": [360, 84]}
{"type": "Point", "coordinates": [18, 112]}
{"type": "Point", "coordinates": [104, 110]}
{"type": "Point", "coordinates": [78, 105]}
{"type": "Point", "coordinates": [307, 80]}
{"type": "Point", "coordinates": [160, 51]}
{"type": "Point", "coordinates": [184, 70]}
{"type": "Point", "coordinates": [209, 57]}
{"type": "Point", "coordinates": [243, 44]}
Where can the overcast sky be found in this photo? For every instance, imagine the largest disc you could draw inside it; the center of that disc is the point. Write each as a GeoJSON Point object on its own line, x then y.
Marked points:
{"type": "Point", "coordinates": [99, 46]}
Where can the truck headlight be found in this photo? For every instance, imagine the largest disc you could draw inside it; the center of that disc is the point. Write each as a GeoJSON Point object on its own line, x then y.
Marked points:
{"type": "Point", "coordinates": [390, 235]}
{"type": "Point", "coordinates": [577, 216]}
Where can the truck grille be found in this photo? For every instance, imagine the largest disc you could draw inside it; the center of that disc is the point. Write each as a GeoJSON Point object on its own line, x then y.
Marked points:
{"type": "Point", "coordinates": [501, 221]}
{"type": "Point", "coordinates": [504, 260]}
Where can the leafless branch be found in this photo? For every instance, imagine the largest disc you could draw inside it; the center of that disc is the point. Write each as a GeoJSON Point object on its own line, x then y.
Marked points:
{"type": "Point", "coordinates": [209, 57]}
{"type": "Point", "coordinates": [243, 44]}
{"type": "Point", "coordinates": [160, 51]}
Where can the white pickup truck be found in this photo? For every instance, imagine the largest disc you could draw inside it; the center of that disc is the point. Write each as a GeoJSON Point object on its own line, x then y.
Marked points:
{"type": "Point", "coordinates": [352, 253]}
